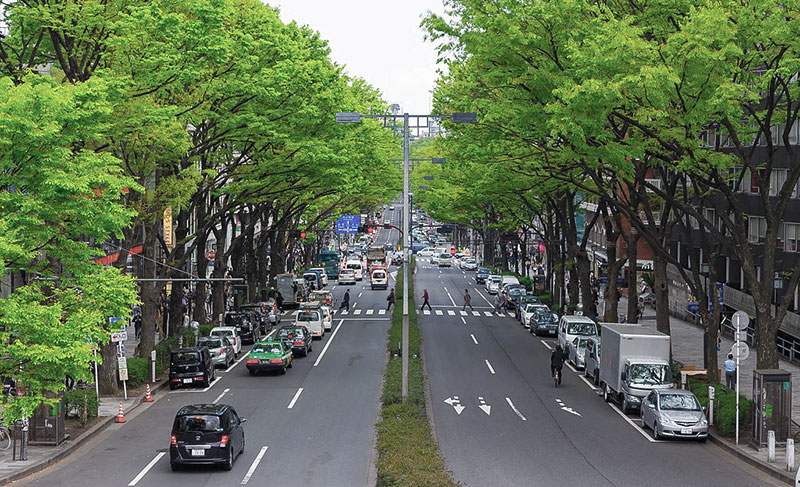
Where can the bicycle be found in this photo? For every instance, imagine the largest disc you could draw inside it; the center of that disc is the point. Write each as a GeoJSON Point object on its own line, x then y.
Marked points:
{"type": "Point", "coordinates": [5, 438]}
{"type": "Point", "coordinates": [557, 377]}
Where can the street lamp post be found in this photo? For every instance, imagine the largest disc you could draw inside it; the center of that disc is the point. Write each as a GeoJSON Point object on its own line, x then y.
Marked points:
{"type": "Point", "coordinates": [351, 117]}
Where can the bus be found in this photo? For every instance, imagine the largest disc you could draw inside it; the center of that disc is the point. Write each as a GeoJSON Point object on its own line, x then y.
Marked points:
{"type": "Point", "coordinates": [329, 259]}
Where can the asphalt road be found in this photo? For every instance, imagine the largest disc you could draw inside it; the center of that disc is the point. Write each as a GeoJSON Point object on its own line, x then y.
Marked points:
{"type": "Point", "coordinates": [313, 426]}
{"type": "Point", "coordinates": [499, 419]}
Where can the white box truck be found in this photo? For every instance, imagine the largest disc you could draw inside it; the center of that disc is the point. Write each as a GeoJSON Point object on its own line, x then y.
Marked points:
{"type": "Point", "coordinates": [634, 361]}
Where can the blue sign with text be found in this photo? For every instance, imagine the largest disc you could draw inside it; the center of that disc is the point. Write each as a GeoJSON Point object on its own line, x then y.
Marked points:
{"type": "Point", "coordinates": [348, 224]}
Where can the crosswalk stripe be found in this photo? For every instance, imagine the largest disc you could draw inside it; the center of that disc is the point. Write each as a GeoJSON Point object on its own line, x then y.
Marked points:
{"type": "Point", "coordinates": [344, 312]}
{"type": "Point", "coordinates": [511, 315]}
{"type": "Point", "coordinates": [476, 313]}
{"type": "Point", "coordinates": [463, 313]}
{"type": "Point", "coordinates": [427, 312]}
{"type": "Point", "coordinates": [451, 312]}
{"type": "Point", "coordinates": [439, 312]}
{"type": "Point", "coordinates": [487, 313]}
{"type": "Point", "coordinates": [381, 311]}
{"type": "Point", "coordinates": [357, 312]}
{"type": "Point", "coordinates": [370, 311]}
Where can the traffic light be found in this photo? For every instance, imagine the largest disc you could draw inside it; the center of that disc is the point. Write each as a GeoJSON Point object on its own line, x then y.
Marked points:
{"type": "Point", "coordinates": [369, 229]}
{"type": "Point", "coordinates": [302, 234]}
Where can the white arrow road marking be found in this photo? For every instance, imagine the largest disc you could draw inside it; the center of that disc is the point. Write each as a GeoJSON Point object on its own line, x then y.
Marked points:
{"type": "Point", "coordinates": [491, 369]}
{"type": "Point", "coordinates": [516, 411]}
{"type": "Point", "coordinates": [451, 400]}
{"type": "Point", "coordinates": [296, 395]}
{"type": "Point", "coordinates": [485, 407]}
{"type": "Point", "coordinates": [220, 396]}
{"type": "Point", "coordinates": [459, 409]}
{"type": "Point", "coordinates": [565, 408]}
{"type": "Point", "coordinates": [254, 465]}
{"type": "Point", "coordinates": [146, 469]}
{"type": "Point", "coordinates": [473, 338]}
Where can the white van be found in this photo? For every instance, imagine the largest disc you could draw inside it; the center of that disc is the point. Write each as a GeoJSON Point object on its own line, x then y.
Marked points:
{"type": "Point", "coordinates": [572, 326]}
{"type": "Point", "coordinates": [378, 278]}
{"type": "Point", "coordinates": [507, 281]}
{"type": "Point", "coordinates": [310, 316]}
{"type": "Point", "coordinates": [355, 266]}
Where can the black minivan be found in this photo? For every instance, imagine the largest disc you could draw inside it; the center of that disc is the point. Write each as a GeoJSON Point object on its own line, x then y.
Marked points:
{"type": "Point", "coordinates": [191, 366]}
{"type": "Point", "coordinates": [247, 324]}
{"type": "Point", "coordinates": [206, 434]}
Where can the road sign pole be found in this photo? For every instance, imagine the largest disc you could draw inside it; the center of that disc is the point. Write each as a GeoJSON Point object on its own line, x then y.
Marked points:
{"type": "Point", "coordinates": [737, 386]}
{"type": "Point", "coordinates": [406, 257]}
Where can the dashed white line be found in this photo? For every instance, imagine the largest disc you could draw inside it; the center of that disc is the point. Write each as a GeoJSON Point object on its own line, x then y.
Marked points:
{"type": "Point", "coordinates": [328, 344]}
{"type": "Point", "coordinates": [491, 369]}
{"type": "Point", "coordinates": [254, 465]}
{"type": "Point", "coordinates": [481, 295]}
{"type": "Point", "coordinates": [359, 294]}
{"type": "Point", "coordinates": [473, 338]}
{"type": "Point", "coordinates": [449, 296]}
{"type": "Point", "coordinates": [516, 411]}
{"type": "Point", "coordinates": [220, 396]}
{"type": "Point", "coordinates": [294, 399]}
{"type": "Point", "coordinates": [630, 421]}
{"type": "Point", "coordinates": [546, 344]}
{"type": "Point", "coordinates": [146, 469]}
{"type": "Point", "coordinates": [463, 320]}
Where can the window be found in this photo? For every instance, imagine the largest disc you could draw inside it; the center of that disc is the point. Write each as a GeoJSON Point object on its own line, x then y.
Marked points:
{"type": "Point", "coordinates": [757, 228]}
{"type": "Point", "coordinates": [750, 184]}
{"type": "Point", "coordinates": [794, 134]}
{"type": "Point", "coordinates": [710, 215]}
{"type": "Point", "coordinates": [791, 237]}
{"type": "Point", "coordinates": [776, 180]}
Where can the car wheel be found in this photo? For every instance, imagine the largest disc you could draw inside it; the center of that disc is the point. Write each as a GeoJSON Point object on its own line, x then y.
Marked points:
{"type": "Point", "coordinates": [283, 370]}
{"type": "Point", "coordinates": [175, 466]}
{"type": "Point", "coordinates": [228, 465]}
{"type": "Point", "coordinates": [596, 377]}
{"type": "Point", "coordinates": [606, 395]}
{"type": "Point", "coordinates": [172, 386]}
{"type": "Point", "coordinates": [251, 371]}
{"type": "Point", "coordinates": [310, 348]}
{"type": "Point", "coordinates": [242, 450]}
{"type": "Point", "coordinates": [656, 434]}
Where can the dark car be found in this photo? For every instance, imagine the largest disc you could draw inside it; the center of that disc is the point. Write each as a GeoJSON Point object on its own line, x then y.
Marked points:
{"type": "Point", "coordinates": [481, 274]}
{"type": "Point", "coordinates": [522, 302]}
{"type": "Point", "coordinates": [544, 321]}
{"type": "Point", "coordinates": [206, 434]}
{"type": "Point", "coordinates": [246, 322]}
{"type": "Point", "coordinates": [514, 292]}
{"type": "Point", "coordinates": [191, 366]}
{"type": "Point", "coordinates": [261, 312]}
{"type": "Point", "coordinates": [298, 338]}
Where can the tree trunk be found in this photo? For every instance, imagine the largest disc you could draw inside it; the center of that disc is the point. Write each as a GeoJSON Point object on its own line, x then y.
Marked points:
{"type": "Point", "coordinates": [661, 291]}
{"type": "Point", "coordinates": [633, 291]}
{"type": "Point", "coordinates": [107, 370]}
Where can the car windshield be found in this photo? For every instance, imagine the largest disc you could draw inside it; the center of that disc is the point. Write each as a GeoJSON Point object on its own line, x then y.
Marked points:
{"type": "Point", "coordinates": [354, 266]}
{"type": "Point", "coordinates": [495, 278]}
{"type": "Point", "coordinates": [222, 333]}
{"type": "Point", "coordinates": [378, 275]}
{"type": "Point", "coordinates": [650, 374]}
{"type": "Point", "coordinates": [267, 348]}
{"type": "Point", "coordinates": [285, 332]}
{"type": "Point", "coordinates": [444, 256]}
{"type": "Point", "coordinates": [679, 402]}
{"type": "Point", "coordinates": [532, 307]}
{"type": "Point", "coordinates": [184, 358]}
{"type": "Point", "coordinates": [516, 291]}
{"type": "Point", "coordinates": [209, 342]}
{"type": "Point", "coordinates": [585, 329]}
{"type": "Point", "coordinates": [546, 317]}
{"type": "Point", "coordinates": [234, 319]}
{"type": "Point", "coordinates": [308, 316]}
{"type": "Point", "coordinates": [205, 423]}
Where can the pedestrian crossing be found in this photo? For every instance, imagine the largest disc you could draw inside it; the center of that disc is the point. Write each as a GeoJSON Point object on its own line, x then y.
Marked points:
{"type": "Point", "coordinates": [427, 312]}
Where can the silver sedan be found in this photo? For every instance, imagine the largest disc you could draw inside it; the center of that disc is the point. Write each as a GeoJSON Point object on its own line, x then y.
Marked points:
{"type": "Point", "coordinates": [674, 413]}
{"type": "Point", "coordinates": [577, 352]}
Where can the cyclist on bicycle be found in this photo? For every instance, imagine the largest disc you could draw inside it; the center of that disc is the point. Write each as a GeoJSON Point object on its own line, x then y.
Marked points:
{"type": "Point", "coordinates": [557, 359]}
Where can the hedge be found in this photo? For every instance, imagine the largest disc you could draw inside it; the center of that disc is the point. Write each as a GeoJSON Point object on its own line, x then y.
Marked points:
{"type": "Point", "coordinates": [725, 407]}
{"type": "Point", "coordinates": [81, 403]}
{"type": "Point", "coordinates": [138, 371]}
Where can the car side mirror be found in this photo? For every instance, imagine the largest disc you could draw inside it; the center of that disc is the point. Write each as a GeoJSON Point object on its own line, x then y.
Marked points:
{"type": "Point", "coordinates": [242, 420]}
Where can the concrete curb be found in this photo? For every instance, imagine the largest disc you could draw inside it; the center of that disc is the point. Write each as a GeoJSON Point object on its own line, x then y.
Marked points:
{"type": "Point", "coordinates": [774, 472]}
{"type": "Point", "coordinates": [73, 444]}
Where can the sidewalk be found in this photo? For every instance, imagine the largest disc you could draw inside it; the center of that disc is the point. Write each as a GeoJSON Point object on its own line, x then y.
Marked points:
{"type": "Point", "coordinates": [687, 348]}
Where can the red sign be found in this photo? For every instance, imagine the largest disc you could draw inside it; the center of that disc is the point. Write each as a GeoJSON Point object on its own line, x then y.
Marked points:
{"type": "Point", "coordinates": [211, 255]}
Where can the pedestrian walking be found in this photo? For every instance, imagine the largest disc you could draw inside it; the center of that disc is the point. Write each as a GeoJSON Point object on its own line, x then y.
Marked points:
{"type": "Point", "coordinates": [425, 301]}
{"type": "Point", "coordinates": [504, 301]}
{"type": "Point", "coordinates": [346, 301]}
{"type": "Point", "coordinates": [467, 300]}
{"type": "Point", "coordinates": [279, 301]}
{"type": "Point", "coordinates": [498, 302]}
{"type": "Point", "coordinates": [730, 372]}
{"type": "Point", "coordinates": [137, 326]}
{"type": "Point", "coordinates": [390, 299]}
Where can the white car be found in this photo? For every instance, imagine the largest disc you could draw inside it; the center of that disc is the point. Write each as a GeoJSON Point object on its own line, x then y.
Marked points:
{"type": "Point", "coordinates": [444, 260]}
{"type": "Point", "coordinates": [426, 252]}
{"type": "Point", "coordinates": [310, 316]}
{"type": "Point", "coordinates": [493, 284]}
{"type": "Point", "coordinates": [347, 276]}
{"type": "Point", "coordinates": [530, 311]}
{"type": "Point", "coordinates": [232, 334]}
{"type": "Point", "coordinates": [327, 317]}
{"type": "Point", "coordinates": [355, 266]}
{"type": "Point", "coordinates": [469, 264]}
{"type": "Point", "coordinates": [323, 275]}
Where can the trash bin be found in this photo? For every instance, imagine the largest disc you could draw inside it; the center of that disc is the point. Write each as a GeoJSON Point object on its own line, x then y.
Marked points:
{"type": "Point", "coordinates": [772, 405]}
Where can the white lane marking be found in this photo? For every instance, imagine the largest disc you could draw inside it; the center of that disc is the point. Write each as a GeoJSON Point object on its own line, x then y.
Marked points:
{"type": "Point", "coordinates": [476, 313]}
{"type": "Point", "coordinates": [449, 296]}
{"type": "Point", "coordinates": [370, 311]}
{"type": "Point", "coordinates": [463, 313]}
{"type": "Point", "coordinates": [334, 287]}
{"type": "Point", "coordinates": [220, 396]}
{"type": "Point", "coordinates": [236, 363]}
{"type": "Point", "coordinates": [439, 312]}
{"type": "Point", "coordinates": [357, 312]}
{"type": "Point", "coordinates": [491, 369]}
{"type": "Point", "coordinates": [216, 380]}
{"type": "Point", "coordinates": [473, 338]}
{"type": "Point", "coordinates": [591, 386]}
{"type": "Point", "coordinates": [463, 320]}
{"type": "Point", "coordinates": [146, 469]}
{"type": "Point", "coordinates": [635, 426]}
{"type": "Point", "coordinates": [481, 295]}
{"type": "Point", "coordinates": [294, 399]}
{"type": "Point", "coordinates": [511, 315]}
{"type": "Point", "coordinates": [487, 313]}
{"type": "Point", "coordinates": [359, 294]}
{"type": "Point", "coordinates": [381, 311]}
{"type": "Point", "coordinates": [516, 411]}
{"type": "Point", "coordinates": [254, 465]}
{"type": "Point", "coordinates": [426, 312]}
{"type": "Point", "coordinates": [328, 343]}
{"type": "Point", "coordinates": [451, 312]}
{"type": "Point", "coordinates": [546, 344]}
{"type": "Point", "coordinates": [344, 312]}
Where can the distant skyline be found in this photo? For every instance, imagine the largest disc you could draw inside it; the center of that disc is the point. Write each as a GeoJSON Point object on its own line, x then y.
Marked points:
{"type": "Point", "coordinates": [377, 40]}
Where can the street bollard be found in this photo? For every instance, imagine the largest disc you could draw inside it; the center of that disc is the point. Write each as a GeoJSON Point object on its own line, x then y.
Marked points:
{"type": "Point", "coordinates": [153, 366]}
{"type": "Point", "coordinates": [790, 454]}
{"type": "Point", "coordinates": [770, 446]}
{"type": "Point", "coordinates": [711, 391]}
{"type": "Point", "coordinates": [180, 341]}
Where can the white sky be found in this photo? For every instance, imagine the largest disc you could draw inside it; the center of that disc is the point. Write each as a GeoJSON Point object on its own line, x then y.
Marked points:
{"type": "Point", "coordinates": [378, 40]}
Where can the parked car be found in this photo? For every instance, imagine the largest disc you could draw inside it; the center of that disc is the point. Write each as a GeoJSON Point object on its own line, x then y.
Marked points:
{"type": "Point", "coordinates": [261, 311]}
{"type": "Point", "coordinates": [347, 276]}
{"type": "Point", "coordinates": [246, 322]}
{"type": "Point", "coordinates": [591, 359]}
{"type": "Point", "coordinates": [323, 276]}
{"type": "Point", "coordinates": [513, 293]}
{"type": "Point", "coordinates": [206, 434]}
{"type": "Point", "coordinates": [232, 334]}
{"type": "Point", "coordinates": [469, 264]}
{"type": "Point", "coordinates": [577, 352]}
{"type": "Point", "coordinates": [296, 337]}
{"type": "Point", "coordinates": [327, 317]}
{"type": "Point", "coordinates": [268, 356]}
{"type": "Point", "coordinates": [531, 309]}
{"type": "Point", "coordinates": [571, 326]}
{"type": "Point", "coordinates": [544, 322]}
{"type": "Point", "coordinates": [273, 313]}
{"type": "Point", "coordinates": [191, 366]}
{"type": "Point", "coordinates": [222, 353]}
{"type": "Point", "coordinates": [674, 413]}
{"type": "Point", "coordinates": [522, 302]}
{"type": "Point", "coordinates": [493, 284]}
{"type": "Point", "coordinates": [310, 316]}
{"type": "Point", "coordinates": [481, 274]}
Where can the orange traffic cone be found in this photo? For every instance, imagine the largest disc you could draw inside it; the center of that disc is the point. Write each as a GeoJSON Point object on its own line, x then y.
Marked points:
{"type": "Point", "coordinates": [120, 415]}
{"type": "Point", "coordinates": [147, 396]}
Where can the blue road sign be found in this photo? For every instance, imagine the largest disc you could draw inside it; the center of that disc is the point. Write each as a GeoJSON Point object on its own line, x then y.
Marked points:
{"type": "Point", "coordinates": [348, 224]}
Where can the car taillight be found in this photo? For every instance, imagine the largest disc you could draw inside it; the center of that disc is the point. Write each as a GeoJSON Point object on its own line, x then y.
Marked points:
{"type": "Point", "coordinates": [275, 361]}
{"type": "Point", "coordinates": [223, 442]}
{"type": "Point", "coordinates": [173, 440]}
{"type": "Point", "coordinates": [251, 361]}
{"type": "Point", "coordinates": [299, 342]}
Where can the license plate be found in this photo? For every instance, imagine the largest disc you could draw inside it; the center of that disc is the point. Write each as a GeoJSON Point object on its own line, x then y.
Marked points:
{"type": "Point", "coordinates": [187, 381]}
{"type": "Point", "coordinates": [198, 453]}
{"type": "Point", "coordinates": [686, 431]}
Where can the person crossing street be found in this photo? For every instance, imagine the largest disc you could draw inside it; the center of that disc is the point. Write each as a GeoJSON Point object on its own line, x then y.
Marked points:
{"type": "Point", "coordinates": [425, 300]}
{"type": "Point", "coordinates": [390, 299]}
{"type": "Point", "coordinates": [467, 300]}
{"type": "Point", "coordinates": [345, 301]}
